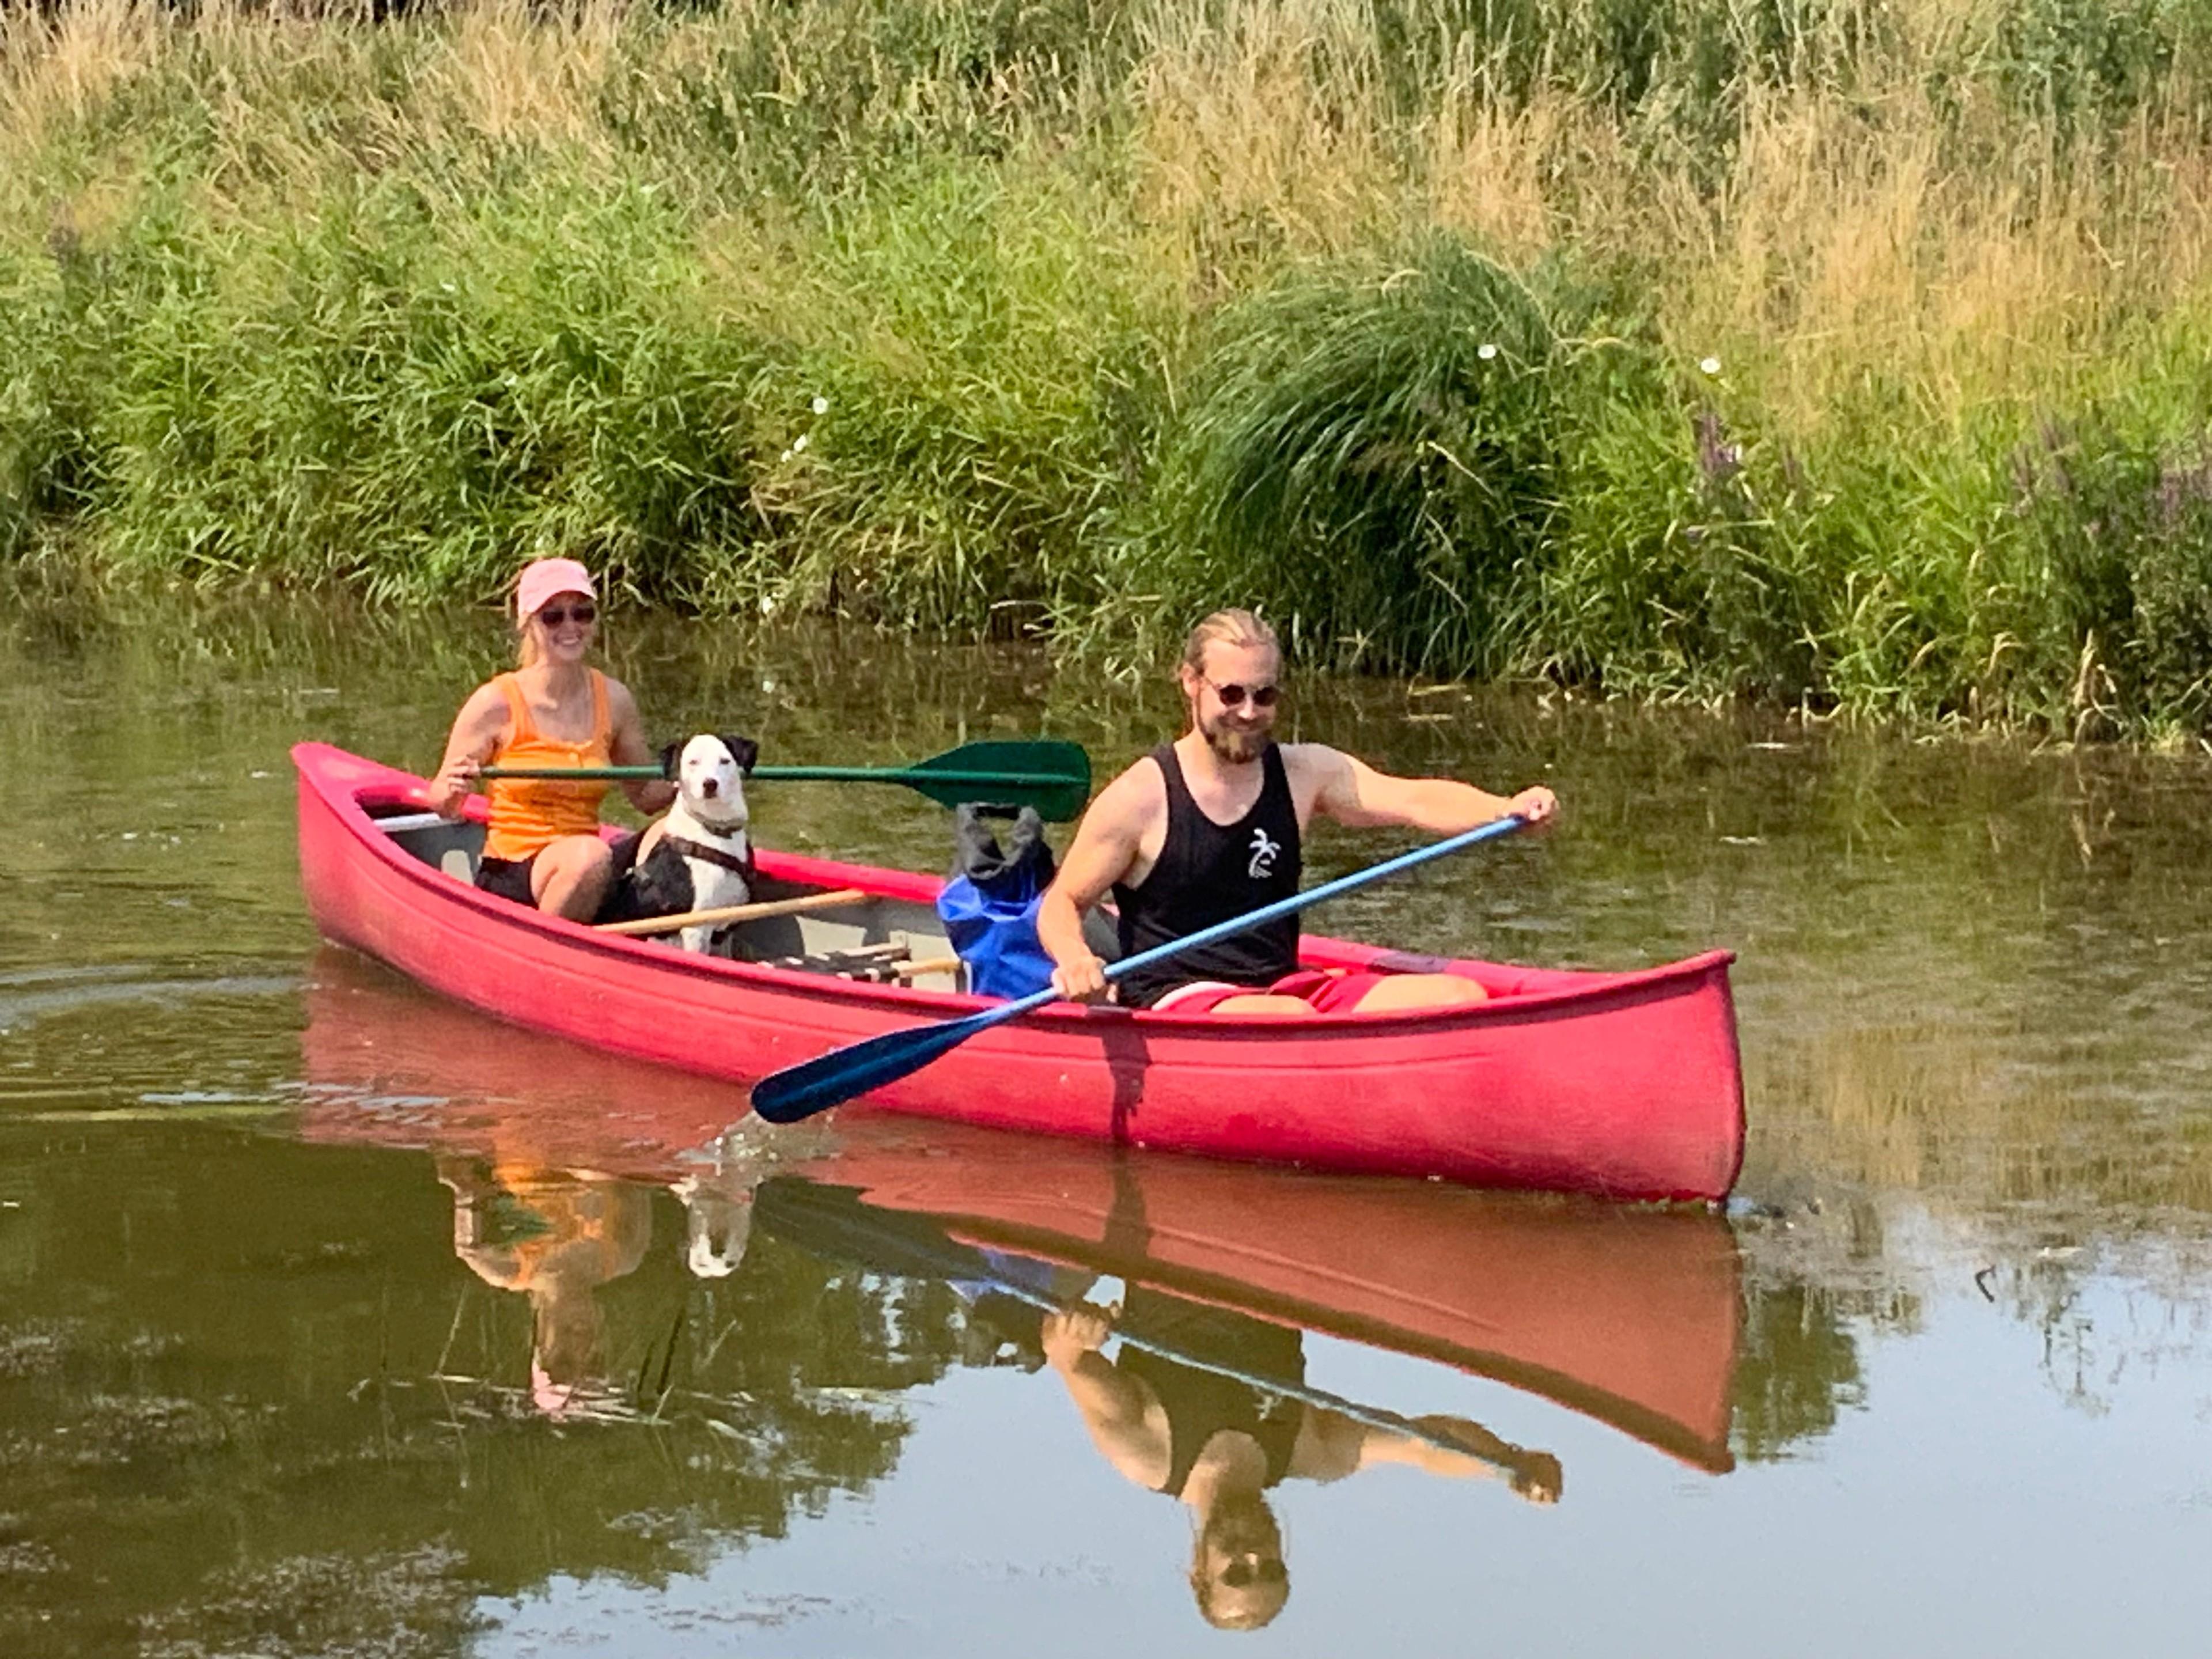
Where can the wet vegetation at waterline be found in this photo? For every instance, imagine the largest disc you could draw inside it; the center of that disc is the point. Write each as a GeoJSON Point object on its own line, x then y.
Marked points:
{"type": "Point", "coordinates": [1836, 353]}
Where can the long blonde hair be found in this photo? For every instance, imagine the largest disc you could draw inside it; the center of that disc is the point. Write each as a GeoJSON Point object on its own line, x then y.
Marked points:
{"type": "Point", "coordinates": [1231, 626]}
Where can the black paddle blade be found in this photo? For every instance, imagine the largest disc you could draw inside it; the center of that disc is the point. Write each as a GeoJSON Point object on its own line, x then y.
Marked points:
{"type": "Point", "coordinates": [800, 1091]}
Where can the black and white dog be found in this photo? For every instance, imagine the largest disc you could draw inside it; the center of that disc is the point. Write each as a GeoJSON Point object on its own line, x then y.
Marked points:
{"type": "Point", "coordinates": [697, 856]}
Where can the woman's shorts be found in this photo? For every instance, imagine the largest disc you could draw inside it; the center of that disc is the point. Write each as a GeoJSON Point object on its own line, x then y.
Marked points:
{"type": "Point", "coordinates": [508, 878]}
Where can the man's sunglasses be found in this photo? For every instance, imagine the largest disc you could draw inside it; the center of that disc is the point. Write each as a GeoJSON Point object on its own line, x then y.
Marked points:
{"type": "Point", "coordinates": [1232, 696]}
{"type": "Point", "coordinates": [553, 616]}
{"type": "Point", "coordinates": [1237, 1574]}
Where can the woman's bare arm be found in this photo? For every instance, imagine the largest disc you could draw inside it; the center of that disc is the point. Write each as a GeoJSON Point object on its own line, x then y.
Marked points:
{"type": "Point", "coordinates": [476, 734]}
{"type": "Point", "coordinates": [629, 748]}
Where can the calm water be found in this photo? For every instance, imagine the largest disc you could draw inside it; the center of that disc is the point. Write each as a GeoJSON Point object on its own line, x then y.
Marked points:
{"type": "Point", "coordinates": [334, 1320]}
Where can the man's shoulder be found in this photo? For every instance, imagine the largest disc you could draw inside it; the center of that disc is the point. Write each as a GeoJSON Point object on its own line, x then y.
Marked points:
{"type": "Point", "coordinates": [1312, 759]}
{"type": "Point", "coordinates": [1142, 781]}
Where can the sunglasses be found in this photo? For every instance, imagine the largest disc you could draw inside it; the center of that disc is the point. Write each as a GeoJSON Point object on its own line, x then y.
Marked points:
{"type": "Point", "coordinates": [1237, 1574]}
{"type": "Point", "coordinates": [1232, 696]}
{"type": "Point", "coordinates": [553, 616]}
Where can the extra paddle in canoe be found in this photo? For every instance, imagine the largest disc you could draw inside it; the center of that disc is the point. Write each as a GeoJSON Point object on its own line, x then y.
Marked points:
{"type": "Point", "coordinates": [800, 1091]}
{"type": "Point", "coordinates": [1050, 774]}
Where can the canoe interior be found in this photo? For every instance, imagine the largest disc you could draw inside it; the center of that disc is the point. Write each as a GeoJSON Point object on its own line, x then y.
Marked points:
{"type": "Point", "coordinates": [866, 939]}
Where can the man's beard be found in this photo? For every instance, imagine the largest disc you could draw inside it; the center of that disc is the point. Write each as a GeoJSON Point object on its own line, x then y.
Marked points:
{"type": "Point", "coordinates": [1234, 745]}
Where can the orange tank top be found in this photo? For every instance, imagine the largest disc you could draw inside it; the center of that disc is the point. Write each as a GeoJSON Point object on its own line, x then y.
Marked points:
{"type": "Point", "coordinates": [528, 813]}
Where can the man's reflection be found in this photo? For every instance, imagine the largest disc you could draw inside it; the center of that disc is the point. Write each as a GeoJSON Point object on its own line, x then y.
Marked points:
{"type": "Point", "coordinates": [555, 1236]}
{"type": "Point", "coordinates": [1217, 1444]}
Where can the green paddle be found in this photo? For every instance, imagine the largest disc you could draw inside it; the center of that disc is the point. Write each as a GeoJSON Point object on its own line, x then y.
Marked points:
{"type": "Point", "coordinates": [1048, 774]}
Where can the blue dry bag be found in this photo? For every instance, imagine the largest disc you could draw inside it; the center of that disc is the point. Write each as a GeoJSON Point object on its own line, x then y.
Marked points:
{"type": "Point", "coordinates": [989, 908]}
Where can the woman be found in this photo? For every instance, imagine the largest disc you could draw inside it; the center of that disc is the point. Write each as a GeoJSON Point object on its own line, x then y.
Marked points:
{"type": "Point", "coordinates": [543, 847]}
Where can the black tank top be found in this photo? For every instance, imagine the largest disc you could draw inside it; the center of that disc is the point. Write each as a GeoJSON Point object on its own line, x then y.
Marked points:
{"type": "Point", "coordinates": [1208, 872]}
{"type": "Point", "coordinates": [1201, 1403]}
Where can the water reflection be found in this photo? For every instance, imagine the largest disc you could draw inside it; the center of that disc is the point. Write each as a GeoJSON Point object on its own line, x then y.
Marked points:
{"type": "Point", "coordinates": [1204, 1403]}
{"type": "Point", "coordinates": [555, 1237]}
{"type": "Point", "coordinates": [1172, 1299]}
{"type": "Point", "coordinates": [1629, 1315]}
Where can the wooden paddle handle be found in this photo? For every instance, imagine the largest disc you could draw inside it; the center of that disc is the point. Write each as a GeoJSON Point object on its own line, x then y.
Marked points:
{"type": "Point", "coordinates": [930, 965]}
{"type": "Point", "coordinates": [731, 914]}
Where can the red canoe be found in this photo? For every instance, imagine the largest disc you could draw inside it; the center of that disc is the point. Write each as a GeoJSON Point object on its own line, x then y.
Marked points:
{"type": "Point", "coordinates": [1622, 1084]}
{"type": "Point", "coordinates": [1628, 1314]}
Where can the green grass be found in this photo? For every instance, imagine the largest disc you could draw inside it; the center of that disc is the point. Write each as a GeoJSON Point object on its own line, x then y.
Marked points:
{"type": "Point", "coordinates": [1078, 318]}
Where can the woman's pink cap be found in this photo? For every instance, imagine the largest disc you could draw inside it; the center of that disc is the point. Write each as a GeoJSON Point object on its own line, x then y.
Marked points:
{"type": "Point", "coordinates": [545, 579]}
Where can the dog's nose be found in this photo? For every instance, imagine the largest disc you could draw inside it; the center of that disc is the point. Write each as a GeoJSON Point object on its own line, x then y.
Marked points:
{"type": "Point", "coordinates": [710, 787]}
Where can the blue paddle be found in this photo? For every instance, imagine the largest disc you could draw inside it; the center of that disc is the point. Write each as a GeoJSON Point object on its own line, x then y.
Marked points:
{"type": "Point", "coordinates": [815, 1085]}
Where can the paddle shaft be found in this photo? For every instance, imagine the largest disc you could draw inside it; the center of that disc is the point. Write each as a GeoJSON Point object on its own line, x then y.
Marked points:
{"type": "Point", "coordinates": [1051, 775]}
{"type": "Point", "coordinates": [794, 774]}
{"type": "Point", "coordinates": [729, 914]}
{"type": "Point", "coordinates": [814, 1085]}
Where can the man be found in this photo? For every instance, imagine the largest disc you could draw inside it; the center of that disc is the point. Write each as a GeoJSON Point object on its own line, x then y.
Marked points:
{"type": "Point", "coordinates": [1210, 827]}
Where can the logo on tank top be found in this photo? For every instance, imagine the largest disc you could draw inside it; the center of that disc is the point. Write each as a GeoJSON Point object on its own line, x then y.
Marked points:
{"type": "Point", "coordinates": [1264, 854]}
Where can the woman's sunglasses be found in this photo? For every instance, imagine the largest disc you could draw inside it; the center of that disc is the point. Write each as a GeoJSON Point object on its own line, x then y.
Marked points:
{"type": "Point", "coordinates": [1232, 696]}
{"type": "Point", "coordinates": [553, 616]}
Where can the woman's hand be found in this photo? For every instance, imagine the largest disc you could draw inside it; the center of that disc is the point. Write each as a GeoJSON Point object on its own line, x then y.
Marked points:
{"type": "Point", "coordinates": [455, 782]}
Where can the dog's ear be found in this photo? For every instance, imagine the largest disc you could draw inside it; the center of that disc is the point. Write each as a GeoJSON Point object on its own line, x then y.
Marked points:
{"type": "Point", "coordinates": [743, 750]}
{"type": "Point", "coordinates": [671, 758]}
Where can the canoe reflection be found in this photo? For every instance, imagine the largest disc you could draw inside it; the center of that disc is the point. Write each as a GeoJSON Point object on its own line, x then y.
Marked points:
{"type": "Point", "coordinates": [1628, 1314]}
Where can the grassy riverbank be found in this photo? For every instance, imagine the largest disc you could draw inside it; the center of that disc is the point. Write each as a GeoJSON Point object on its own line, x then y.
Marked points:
{"type": "Point", "coordinates": [1845, 354]}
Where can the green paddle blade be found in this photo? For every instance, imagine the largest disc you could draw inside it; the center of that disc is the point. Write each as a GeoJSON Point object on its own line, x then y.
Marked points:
{"type": "Point", "coordinates": [1047, 773]}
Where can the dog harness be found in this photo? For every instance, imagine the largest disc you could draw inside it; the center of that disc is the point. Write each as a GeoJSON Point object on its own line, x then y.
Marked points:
{"type": "Point", "coordinates": [527, 814]}
{"type": "Point", "coordinates": [699, 849]}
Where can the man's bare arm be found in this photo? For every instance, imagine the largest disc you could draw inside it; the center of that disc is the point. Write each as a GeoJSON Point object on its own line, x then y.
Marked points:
{"type": "Point", "coordinates": [1106, 847]}
{"type": "Point", "coordinates": [1355, 794]}
{"type": "Point", "coordinates": [1116, 1408]}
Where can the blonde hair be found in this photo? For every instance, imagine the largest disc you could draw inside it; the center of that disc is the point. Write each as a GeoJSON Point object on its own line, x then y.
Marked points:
{"type": "Point", "coordinates": [1231, 627]}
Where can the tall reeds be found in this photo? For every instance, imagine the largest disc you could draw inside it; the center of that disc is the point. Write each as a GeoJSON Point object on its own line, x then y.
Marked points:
{"type": "Point", "coordinates": [1841, 353]}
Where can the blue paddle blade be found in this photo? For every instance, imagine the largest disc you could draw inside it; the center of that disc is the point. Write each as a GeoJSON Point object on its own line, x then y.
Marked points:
{"type": "Point", "coordinates": [800, 1091]}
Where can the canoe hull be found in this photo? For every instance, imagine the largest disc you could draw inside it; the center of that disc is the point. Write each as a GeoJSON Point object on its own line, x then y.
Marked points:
{"type": "Point", "coordinates": [1625, 1085]}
